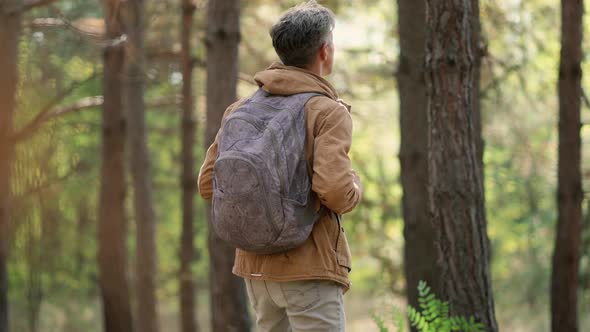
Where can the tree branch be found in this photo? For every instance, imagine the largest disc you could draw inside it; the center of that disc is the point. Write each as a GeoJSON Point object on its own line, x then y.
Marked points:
{"type": "Point", "coordinates": [87, 27]}
{"type": "Point", "coordinates": [97, 101]}
{"type": "Point", "coordinates": [585, 98]}
{"type": "Point", "coordinates": [84, 103]}
{"type": "Point", "coordinates": [44, 22]}
{"type": "Point", "coordinates": [51, 22]}
{"type": "Point", "coordinates": [26, 131]}
{"type": "Point", "coordinates": [157, 54]}
{"type": "Point", "coordinates": [81, 104]}
{"type": "Point", "coordinates": [30, 4]}
{"type": "Point", "coordinates": [164, 101]}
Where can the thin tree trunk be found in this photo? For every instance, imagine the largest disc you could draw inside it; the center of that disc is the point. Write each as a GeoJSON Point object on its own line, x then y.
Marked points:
{"type": "Point", "coordinates": [145, 268]}
{"type": "Point", "coordinates": [34, 287]}
{"type": "Point", "coordinates": [112, 251]}
{"type": "Point", "coordinates": [455, 184]}
{"type": "Point", "coordinates": [420, 252]}
{"type": "Point", "coordinates": [228, 299]}
{"type": "Point", "coordinates": [10, 25]}
{"type": "Point", "coordinates": [566, 257]}
{"type": "Point", "coordinates": [188, 180]}
{"type": "Point", "coordinates": [84, 221]}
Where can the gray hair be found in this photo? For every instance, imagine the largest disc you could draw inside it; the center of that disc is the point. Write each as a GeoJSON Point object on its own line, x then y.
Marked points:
{"type": "Point", "coordinates": [300, 32]}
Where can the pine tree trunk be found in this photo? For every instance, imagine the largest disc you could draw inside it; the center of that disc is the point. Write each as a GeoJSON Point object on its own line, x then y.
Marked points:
{"type": "Point", "coordinates": [420, 252]}
{"type": "Point", "coordinates": [478, 53]}
{"type": "Point", "coordinates": [475, 92]}
{"type": "Point", "coordinates": [566, 257]}
{"type": "Point", "coordinates": [228, 299]}
{"type": "Point", "coordinates": [112, 251]}
{"type": "Point", "coordinates": [10, 25]}
{"type": "Point", "coordinates": [455, 183]}
{"type": "Point", "coordinates": [188, 180]}
{"type": "Point", "coordinates": [84, 222]}
{"type": "Point", "coordinates": [145, 268]}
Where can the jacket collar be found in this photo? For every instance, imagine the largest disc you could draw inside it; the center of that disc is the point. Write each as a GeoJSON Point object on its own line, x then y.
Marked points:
{"type": "Point", "coordinates": [279, 79]}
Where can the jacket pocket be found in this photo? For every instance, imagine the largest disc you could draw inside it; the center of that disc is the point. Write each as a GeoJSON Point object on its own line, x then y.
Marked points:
{"type": "Point", "coordinates": [343, 255]}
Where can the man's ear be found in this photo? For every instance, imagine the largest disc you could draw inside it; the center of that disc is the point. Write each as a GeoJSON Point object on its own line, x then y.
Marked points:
{"type": "Point", "coordinates": [324, 52]}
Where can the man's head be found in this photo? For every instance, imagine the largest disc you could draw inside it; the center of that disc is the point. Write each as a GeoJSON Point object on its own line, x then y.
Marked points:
{"type": "Point", "coordinates": [303, 37]}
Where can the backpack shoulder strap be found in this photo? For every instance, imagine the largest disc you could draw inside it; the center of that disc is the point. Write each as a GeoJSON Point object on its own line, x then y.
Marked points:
{"type": "Point", "coordinates": [293, 102]}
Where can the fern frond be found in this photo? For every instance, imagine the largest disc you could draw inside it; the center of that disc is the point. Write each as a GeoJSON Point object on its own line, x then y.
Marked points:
{"type": "Point", "coordinates": [379, 321]}
{"type": "Point", "coordinates": [398, 319]}
{"type": "Point", "coordinates": [433, 316]}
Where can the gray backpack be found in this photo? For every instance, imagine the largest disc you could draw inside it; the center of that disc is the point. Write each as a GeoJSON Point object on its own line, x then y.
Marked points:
{"type": "Point", "coordinates": [261, 187]}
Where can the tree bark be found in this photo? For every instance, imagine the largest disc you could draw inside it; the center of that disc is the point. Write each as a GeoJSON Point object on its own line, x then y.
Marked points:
{"type": "Point", "coordinates": [420, 252]}
{"type": "Point", "coordinates": [139, 161]}
{"type": "Point", "coordinates": [10, 25]}
{"type": "Point", "coordinates": [475, 92]}
{"type": "Point", "coordinates": [228, 299]}
{"type": "Point", "coordinates": [455, 183]}
{"type": "Point", "coordinates": [566, 257]}
{"type": "Point", "coordinates": [478, 54]}
{"type": "Point", "coordinates": [112, 251]}
{"type": "Point", "coordinates": [188, 180]}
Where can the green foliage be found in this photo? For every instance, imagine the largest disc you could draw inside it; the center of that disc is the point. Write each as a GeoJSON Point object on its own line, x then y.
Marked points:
{"type": "Point", "coordinates": [56, 177]}
{"type": "Point", "coordinates": [379, 321]}
{"type": "Point", "coordinates": [433, 316]}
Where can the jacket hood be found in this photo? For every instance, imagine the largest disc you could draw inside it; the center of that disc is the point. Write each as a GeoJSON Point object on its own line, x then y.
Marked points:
{"type": "Point", "coordinates": [279, 79]}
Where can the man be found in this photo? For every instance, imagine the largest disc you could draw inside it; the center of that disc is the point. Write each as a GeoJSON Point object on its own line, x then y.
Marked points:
{"type": "Point", "coordinates": [301, 289]}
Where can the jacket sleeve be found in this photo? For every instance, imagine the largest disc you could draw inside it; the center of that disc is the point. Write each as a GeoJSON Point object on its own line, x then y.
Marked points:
{"type": "Point", "coordinates": [205, 181]}
{"type": "Point", "coordinates": [206, 173]}
{"type": "Point", "coordinates": [336, 184]}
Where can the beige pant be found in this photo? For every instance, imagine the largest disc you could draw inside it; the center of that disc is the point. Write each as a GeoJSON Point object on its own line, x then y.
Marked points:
{"type": "Point", "coordinates": [311, 305]}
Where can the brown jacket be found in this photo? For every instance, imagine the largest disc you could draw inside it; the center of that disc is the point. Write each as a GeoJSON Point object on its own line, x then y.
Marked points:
{"type": "Point", "coordinates": [325, 254]}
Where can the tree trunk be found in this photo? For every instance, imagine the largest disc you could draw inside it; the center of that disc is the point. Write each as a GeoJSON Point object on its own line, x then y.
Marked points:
{"type": "Point", "coordinates": [83, 223]}
{"type": "Point", "coordinates": [475, 92]}
{"type": "Point", "coordinates": [112, 251]}
{"type": "Point", "coordinates": [34, 287]}
{"type": "Point", "coordinates": [566, 257]}
{"type": "Point", "coordinates": [139, 161]}
{"type": "Point", "coordinates": [188, 180]}
{"type": "Point", "coordinates": [455, 184]}
{"type": "Point", "coordinates": [10, 25]}
{"type": "Point", "coordinates": [478, 53]}
{"type": "Point", "coordinates": [420, 252]}
{"type": "Point", "coordinates": [228, 299]}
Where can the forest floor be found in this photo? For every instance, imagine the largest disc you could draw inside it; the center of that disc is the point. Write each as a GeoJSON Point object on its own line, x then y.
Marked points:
{"type": "Point", "coordinates": [76, 315]}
